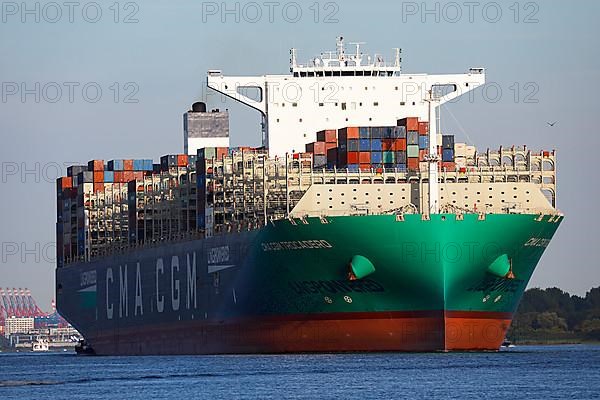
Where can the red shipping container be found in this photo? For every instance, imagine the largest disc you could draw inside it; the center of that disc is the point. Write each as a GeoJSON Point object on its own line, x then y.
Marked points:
{"type": "Point", "coordinates": [364, 157]}
{"type": "Point", "coordinates": [423, 128]}
{"type": "Point", "coordinates": [411, 123]}
{"type": "Point", "coordinates": [119, 176]}
{"type": "Point", "coordinates": [98, 187]}
{"type": "Point", "coordinates": [98, 176]}
{"type": "Point", "coordinates": [422, 154]}
{"type": "Point", "coordinates": [327, 136]}
{"type": "Point", "coordinates": [128, 165]}
{"type": "Point", "coordinates": [316, 148]}
{"type": "Point", "coordinates": [546, 154]}
{"type": "Point", "coordinates": [139, 175]}
{"type": "Point", "coordinates": [353, 157]}
{"type": "Point", "coordinates": [365, 167]}
{"type": "Point", "coordinates": [413, 163]}
{"type": "Point", "coordinates": [329, 146]}
{"type": "Point", "coordinates": [182, 160]}
{"type": "Point", "coordinates": [399, 144]}
{"type": "Point", "coordinates": [449, 166]}
{"type": "Point", "coordinates": [387, 144]}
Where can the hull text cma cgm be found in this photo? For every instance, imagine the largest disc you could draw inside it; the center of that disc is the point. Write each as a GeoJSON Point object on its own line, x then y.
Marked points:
{"type": "Point", "coordinates": [356, 227]}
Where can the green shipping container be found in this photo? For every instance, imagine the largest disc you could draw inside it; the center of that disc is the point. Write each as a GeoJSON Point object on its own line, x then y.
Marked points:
{"type": "Point", "coordinates": [412, 150]}
{"type": "Point", "coordinates": [388, 157]}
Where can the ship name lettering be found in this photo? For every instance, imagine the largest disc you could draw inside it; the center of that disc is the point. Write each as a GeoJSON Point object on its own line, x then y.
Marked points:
{"type": "Point", "coordinates": [174, 283]}
{"type": "Point", "coordinates": [123, 309]}
{"type": "Point", "coordinates": [160, 300]}
{"type": "Point", "coordinates": [296, 245]}
{"type": "Point", "coordinates": [109, 306]}
{"type": "Point", "coordinates": [139, 302]}
{"type": "Point", "coordinates": [217, 255]}
{"type": "Point", "coordinates": [88, 278]}
{"type": "Point", "coordinates": [537, 242]}
{"type": "Point", "coordinates": [336, 286]}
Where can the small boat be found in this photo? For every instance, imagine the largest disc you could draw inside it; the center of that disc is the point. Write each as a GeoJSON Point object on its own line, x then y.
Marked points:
{"type": "Point", "coordinates": [40, 345]}
{"type": "Point", "coordinates": [507, 344]}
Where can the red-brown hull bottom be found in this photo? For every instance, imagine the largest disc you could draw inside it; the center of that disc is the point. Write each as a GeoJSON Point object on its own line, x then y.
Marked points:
{"type": "Point", "coordinates": [353, 332]}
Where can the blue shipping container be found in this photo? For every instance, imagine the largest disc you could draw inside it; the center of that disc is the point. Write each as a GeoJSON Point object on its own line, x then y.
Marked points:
{"type": "Point", "coordinates": [109, 176]}
{"type": "Point", "coordinates": [364, 132]}
{"type": "Point", "coordinates": [376, 157]}
{"type": "Point", "coordinates": [376, 144]}
{"type": "Point", "coordinates": [138, 165]}
{"type": "Point", "coordinates": [447, 155]}
{"type": "Point", "coordinates": [423, 142]}
{"type": "Point", "coordinates": [353, 167]}
{"type": "Point", "coordinates": [364, 145]}
{"type": "Point", "coordinates": [116, 165]}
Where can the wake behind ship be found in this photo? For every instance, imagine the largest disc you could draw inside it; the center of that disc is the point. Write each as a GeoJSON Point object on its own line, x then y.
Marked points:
{"type": "Point", "coordinates": [356, 227]}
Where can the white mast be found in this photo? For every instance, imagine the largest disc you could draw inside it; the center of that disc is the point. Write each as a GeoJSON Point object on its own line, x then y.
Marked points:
{"type": "Point", "coordinates": [433, 158]}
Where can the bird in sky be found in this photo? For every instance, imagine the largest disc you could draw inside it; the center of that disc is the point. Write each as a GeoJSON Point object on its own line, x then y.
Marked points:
{"type": "Point", "coordinates": [551, 124]}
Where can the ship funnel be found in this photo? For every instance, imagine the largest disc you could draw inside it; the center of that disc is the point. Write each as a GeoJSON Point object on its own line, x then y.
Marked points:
{"type": "Point", "coordinates": [199, 107]}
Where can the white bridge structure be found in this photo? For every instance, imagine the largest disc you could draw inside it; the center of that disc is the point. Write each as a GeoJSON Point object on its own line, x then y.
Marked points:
{"type": "Point", "coordinates": [339, 89]}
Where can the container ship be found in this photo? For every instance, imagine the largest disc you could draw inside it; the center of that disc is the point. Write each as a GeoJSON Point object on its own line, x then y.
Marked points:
{"type": "Point", "coordinates": [358, 225]}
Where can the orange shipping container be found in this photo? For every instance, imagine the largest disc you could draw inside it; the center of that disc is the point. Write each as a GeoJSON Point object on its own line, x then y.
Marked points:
{"type": "Point", "coordinates": [327, 136]}
{"type": "Point", "coordinates": [411, 123]}
{"type": "Point", "coordinates": [98, 187]}
{"type": "Point", "coordinates": [399, 144]}
{"type": "Point", "coordinates": [127, 176]}
{"type": "Point", "coordinates": [316, 148]}
{"type": "Point", "coordinates": [66, 182]}
{"type": "Point", "coordinates": [413, 163]}
{"type": "Point", "coordinates": [329, 146]}
{"type": "Point", "coordinates": [96, 165]}
{"type": "Point", "coordinates": [182, 160]}
{"type": "Point", "coordinates": [423, 128]}
{"type": "Point", "coordinates": [365, 167]}
{"type": "Point", "coordinates": [422, 154]}
{"type": "Point", "coordinates": [128, 165]}
{"type": "Point", "coordinates": [98, 176]}
{"type": "Point", "coordinates": [350, 132]}
{"type": "Point", "coordinates": [364, 157]}
{"type": "Point", "coordinates": [139, 175]}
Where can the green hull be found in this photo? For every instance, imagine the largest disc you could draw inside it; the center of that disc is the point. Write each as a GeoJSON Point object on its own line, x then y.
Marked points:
{"type": "Point", "coordinates": [354, 283]}
{"type": "Point", "coordinates": [440, 264]}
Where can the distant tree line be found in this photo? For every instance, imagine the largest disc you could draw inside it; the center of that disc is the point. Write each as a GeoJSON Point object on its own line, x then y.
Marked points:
{"type": "Point", "coordinates": [554, 315]}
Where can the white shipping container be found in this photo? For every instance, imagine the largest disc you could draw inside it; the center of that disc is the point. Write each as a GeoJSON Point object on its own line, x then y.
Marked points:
{"type": "Point", "coordinates": [461, 162]}
{"type": "Point", "coordinates": [470, 152]}
{"type": "Point", "coordinates": [460, 149]}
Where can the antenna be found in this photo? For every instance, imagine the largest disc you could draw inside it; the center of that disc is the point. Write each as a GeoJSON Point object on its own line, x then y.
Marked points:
{"type": "Point", "coordinates": [432, 157]}
{"type": "Point", "coordinates": [340, 48]}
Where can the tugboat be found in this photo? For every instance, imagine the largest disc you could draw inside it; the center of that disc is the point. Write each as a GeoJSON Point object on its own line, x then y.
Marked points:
{"type": "Point", "coordinates": [40, 345]}
{"type": "Point", "coordinates": [83, 348]}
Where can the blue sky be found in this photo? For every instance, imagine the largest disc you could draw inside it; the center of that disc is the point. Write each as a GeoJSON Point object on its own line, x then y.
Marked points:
{"type": "Point", "coordinates": [549, 50]}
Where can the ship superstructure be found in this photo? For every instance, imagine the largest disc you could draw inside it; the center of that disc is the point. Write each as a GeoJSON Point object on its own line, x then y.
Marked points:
{"type": "Point", "coordinates": [338, 89]}
{"type": "Point", "coordinates": [357, 227]}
